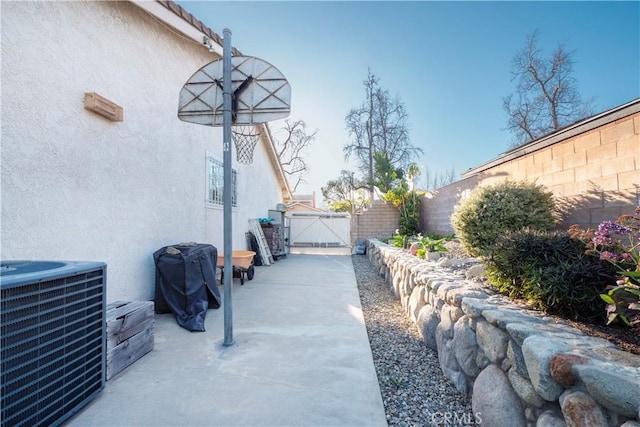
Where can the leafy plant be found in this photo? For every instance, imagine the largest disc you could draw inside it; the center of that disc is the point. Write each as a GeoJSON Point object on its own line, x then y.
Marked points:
{"type": "Point", "coordinates": [551, 271]}
{"type": "Point", "coordinates": [619, 244]}
{"type": "Point", "coordinates": [430, 244]}
{"type": "Point", "coordinates": [491, 211]}
{"type": "Point", "coordinates": [395, 189]}
{"type": "Point", "coordinates": [408, 202]}
{"type": "Point", "coordinates": [623, 302]}
{"type": "Point", "coordinates": [397, 241]}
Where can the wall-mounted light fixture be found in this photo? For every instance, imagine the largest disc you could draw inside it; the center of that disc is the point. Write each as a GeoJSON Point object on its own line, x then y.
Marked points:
{"type": "Point", "coordinates": [101, 105]}
{"type": "Point", "coordinates": [209, 44]}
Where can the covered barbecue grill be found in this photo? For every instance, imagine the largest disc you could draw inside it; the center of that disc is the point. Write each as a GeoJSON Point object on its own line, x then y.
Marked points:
{"type": "Point", "coordinates": [186, 283]}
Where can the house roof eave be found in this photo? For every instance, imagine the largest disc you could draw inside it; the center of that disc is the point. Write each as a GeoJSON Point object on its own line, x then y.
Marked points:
{"type": "Point", "coordinates": [177, 18]}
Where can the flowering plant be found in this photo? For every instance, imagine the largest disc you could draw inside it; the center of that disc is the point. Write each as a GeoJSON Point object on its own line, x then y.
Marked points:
{"type": "Point", "coordinates": [619, 243]}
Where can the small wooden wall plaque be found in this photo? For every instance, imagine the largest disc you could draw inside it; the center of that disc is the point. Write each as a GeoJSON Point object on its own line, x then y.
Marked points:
{"type": "Point", "coordinates": [101, 105]}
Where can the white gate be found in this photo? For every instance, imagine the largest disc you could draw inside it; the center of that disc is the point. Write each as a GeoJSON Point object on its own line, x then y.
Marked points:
{"type": "Point", "coordinates": [319, 230]}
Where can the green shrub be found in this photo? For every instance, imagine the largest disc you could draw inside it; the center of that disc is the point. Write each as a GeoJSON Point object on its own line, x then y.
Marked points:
{"type": "Point", "coordinates": [397, 241]}
{"type": "Point", "coordinates": [409, 223]}
{"type": "Point", "coordinates": [551, 271]}
{"type": "Point", "coordinates": [490, 211]}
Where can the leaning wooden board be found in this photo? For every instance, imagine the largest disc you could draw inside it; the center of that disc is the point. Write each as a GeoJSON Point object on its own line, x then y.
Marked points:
{"type": "Point", "coordinates": [130, 328]}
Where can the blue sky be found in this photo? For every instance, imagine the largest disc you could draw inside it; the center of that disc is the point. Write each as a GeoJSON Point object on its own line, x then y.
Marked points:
{"type": "Point", "coordinates": [449, 62]}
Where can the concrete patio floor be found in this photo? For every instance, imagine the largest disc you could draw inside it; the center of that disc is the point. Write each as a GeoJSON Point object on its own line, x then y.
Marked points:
{"type": "Point", "coordinates": [300, 357]}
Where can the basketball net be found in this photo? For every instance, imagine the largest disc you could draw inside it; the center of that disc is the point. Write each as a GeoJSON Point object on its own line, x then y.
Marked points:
{"type": "Point", "coordinates": [245, 139]}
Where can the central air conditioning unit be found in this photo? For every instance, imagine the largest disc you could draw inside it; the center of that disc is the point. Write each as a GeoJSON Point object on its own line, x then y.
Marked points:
{"type": "Point", "coordinates": [52, 352]}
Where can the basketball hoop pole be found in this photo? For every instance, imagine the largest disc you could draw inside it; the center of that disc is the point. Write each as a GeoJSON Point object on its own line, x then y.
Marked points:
{"type": "Point", "coordinates": [226, 194]}
{"type": "Point", "coordinates": [262, 94]}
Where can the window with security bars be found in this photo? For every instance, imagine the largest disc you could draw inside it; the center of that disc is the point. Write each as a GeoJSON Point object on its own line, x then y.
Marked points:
{"type": "Point", "coordinates": [215, 182]}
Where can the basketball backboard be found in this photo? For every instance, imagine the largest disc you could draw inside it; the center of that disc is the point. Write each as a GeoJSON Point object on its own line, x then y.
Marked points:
{"type": "Point", "coordinates": [260, 93]}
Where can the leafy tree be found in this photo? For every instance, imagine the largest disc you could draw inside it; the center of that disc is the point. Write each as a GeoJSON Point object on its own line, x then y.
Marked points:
{"type": "Point", "coordinates": [345, 194]}
{"type": "Point", "coordinates": [380, 124]}
{"type": "Point", "coordinates": [406, 200]}
{"type": "Point", "coordinates": [546, 97]}
{"type": "Point", "coordinates": [384, 173]}
{"type": "Point", "coordinates": [342, 206]}
{"type": "Point", "coordinates": [290, 151]}
{"type": "Point", "coordinates": [413, 172]}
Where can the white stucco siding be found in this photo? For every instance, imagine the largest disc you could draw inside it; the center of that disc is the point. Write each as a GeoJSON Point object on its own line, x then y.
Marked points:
{"type": "Point", "coordinates": [76, 186]}
{"type": "Point", "coordinates": [257, 192]}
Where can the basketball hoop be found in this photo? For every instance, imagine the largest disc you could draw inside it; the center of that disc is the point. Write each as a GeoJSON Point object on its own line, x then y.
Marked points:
{"type": "Point", "coordinates": [259, 91]}
{"type": "Point", "coordinates": [240, 90]}
{"type": "Point", "coordinates": [245, 139]}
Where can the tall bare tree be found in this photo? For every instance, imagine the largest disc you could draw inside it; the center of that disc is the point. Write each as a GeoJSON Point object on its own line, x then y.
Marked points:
{"type": "Point", "coordinates": [379, 125]}
{"type": "Point", "coordinates": [546, 97]}
{"type": "Point", "coordinates": [291, 147]}
{"type": "Point", "coordinates": [437, 180]}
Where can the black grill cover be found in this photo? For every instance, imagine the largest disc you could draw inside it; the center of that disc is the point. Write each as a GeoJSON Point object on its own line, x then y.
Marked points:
{"type": "Point", "coordinates": [253, 244]}
{"type": "Point", "coordinates": [186, 283]}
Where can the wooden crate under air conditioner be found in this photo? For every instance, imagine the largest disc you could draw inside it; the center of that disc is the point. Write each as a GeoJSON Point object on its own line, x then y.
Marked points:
{"type": "Point", "coordinates": [130, 328]}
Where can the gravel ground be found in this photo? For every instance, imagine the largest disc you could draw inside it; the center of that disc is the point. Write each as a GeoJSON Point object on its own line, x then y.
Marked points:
{"type": "Point", "coordinates": [414, 391]}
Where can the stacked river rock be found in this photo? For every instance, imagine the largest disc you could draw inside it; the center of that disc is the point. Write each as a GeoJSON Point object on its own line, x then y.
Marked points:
{"type": "Point", "coordinates": [520, 368]}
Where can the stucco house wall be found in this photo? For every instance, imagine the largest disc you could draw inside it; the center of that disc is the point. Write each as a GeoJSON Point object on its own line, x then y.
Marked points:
{"type": "Point", "coordinates": [76, 186]}
{"type": "Point", "coordinates": [592, 168]}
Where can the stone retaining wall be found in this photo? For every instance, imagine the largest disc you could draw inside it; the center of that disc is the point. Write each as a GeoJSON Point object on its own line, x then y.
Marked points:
{"type": "Point", "coordinates": [519, 367]}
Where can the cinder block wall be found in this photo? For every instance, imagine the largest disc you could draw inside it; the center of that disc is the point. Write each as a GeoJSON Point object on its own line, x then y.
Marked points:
{"type": "Point", "coordinates": [380, 220]}
{"type": "Point", "coordinates": [594, 174]}
{"type": "Point", "coordinates": [436, 206]}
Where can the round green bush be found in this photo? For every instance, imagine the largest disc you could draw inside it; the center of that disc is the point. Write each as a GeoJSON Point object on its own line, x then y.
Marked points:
{"type": "Point", "coordinates": [491, 211]}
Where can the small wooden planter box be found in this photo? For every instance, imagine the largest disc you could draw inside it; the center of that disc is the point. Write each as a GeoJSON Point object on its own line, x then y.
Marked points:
{"type": "Point", "coordinates": [130, 327]}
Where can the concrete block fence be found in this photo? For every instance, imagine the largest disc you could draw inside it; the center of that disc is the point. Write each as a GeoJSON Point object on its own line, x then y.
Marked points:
{"type": "Point", "coordinates": [519, 367]}
{"type": "Point", "coordinates": [592, 167]}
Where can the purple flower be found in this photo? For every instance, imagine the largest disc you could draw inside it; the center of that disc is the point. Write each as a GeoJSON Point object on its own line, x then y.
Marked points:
{"type": "Point", "coordinates": [601, 240]}
{"type": "Point", "coordinates": [626, 257]}
{"type": "Point", "coordinates": [608, 228]}
{"type": "Point", "coordinates": [608, 256]}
